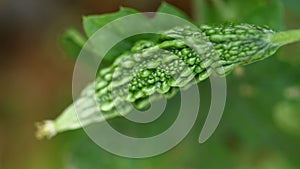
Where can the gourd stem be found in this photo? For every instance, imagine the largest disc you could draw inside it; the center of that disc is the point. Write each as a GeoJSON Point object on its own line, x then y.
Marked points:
{"type": "Point", "coordinates": [286, 37]}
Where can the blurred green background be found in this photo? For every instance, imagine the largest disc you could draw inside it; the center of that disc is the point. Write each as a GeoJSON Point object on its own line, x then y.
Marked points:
{"type": "Point", "coordinates": [260, 127]}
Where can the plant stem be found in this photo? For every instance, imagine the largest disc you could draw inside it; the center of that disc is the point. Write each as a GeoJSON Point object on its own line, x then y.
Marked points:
{"type": "Point", "coordinates": [286, 37]}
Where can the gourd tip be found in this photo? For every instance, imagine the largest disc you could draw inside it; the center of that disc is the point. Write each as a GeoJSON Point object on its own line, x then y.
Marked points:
{"type": "Point", "coordinates": [45, 129]}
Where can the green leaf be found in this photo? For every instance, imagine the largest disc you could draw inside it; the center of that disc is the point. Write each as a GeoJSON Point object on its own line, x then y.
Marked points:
{"type": "Point", "coordinates": [73, 41]}
{"type": "Point", "coordinates": [94, 22]}
{"type": "Point", "coordinates": [169, 9]}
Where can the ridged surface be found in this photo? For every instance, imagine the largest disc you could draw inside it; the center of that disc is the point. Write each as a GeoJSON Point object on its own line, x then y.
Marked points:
{"type": "Point", "coordinates": [153, 68]}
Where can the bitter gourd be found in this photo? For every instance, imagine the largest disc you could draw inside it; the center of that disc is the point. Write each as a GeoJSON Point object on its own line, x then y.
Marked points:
{"type": "Point", "coordinates": [156, 68]}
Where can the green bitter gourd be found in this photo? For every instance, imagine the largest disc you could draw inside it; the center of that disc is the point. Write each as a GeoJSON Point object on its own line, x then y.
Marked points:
{"type": "Point", "coordinates": [181, 57]}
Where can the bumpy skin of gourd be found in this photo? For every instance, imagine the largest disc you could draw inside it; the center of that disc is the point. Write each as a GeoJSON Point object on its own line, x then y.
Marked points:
{"type": "Point", "coordinates": [181, 57]}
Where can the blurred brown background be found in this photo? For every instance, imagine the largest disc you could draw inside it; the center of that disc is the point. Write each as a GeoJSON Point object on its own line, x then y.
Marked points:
{"type": "Point", "coordinates": [36, 74]}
